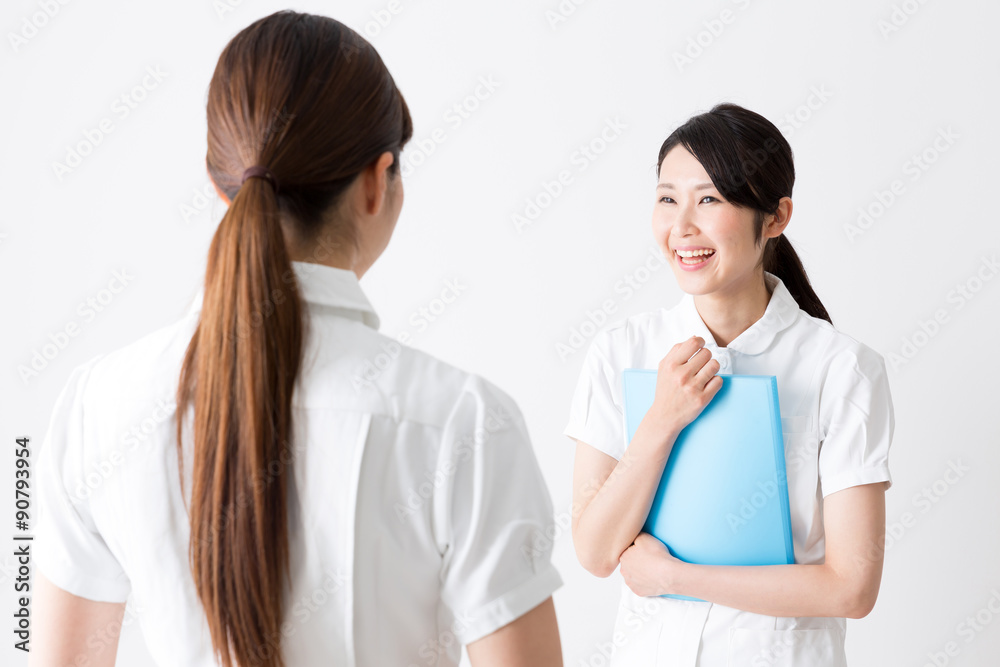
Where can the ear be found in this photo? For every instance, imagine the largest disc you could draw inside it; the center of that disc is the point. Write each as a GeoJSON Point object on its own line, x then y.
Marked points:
{"type": "Point", "coordinates": [775, 224]}
{"type": "Point", "coordinates": [375, 183]}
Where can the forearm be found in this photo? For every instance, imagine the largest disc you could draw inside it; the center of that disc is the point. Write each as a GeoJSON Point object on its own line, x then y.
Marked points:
{"type": "Point", "coordinates": [618, 509]}
{"type": "Point", "coordinates": [772, 590]}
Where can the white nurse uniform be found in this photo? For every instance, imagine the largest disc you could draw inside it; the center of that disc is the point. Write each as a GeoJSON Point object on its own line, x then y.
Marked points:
{"type": "Point", "coordinates": [417, 517]}
{"type": "Point", "coordinates": [837, 419]}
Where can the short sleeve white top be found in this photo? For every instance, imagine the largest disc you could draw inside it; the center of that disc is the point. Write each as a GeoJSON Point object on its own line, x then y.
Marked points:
{"type": "Point", "coordinates": [837, 421]}
{"type": "Point", "coordinates": [407, 537]}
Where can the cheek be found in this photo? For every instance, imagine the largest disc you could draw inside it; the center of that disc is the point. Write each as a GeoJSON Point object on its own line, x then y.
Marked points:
{"type": "Point", "coordinates": [659, 231]}
{"type": "Point", "coordinates": [661, 226]}
{"type": "Point", "coordinates": [731, 232]}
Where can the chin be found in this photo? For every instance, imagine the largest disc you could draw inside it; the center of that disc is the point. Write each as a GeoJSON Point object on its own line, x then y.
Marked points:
{"type": "Point", "coordinates": [695, 284]}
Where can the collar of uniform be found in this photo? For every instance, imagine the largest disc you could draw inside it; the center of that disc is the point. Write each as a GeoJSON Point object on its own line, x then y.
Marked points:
{"type": "Point", "coordinates": [781, 311]}
{"type": "Point", "coordinates": [327, 286]}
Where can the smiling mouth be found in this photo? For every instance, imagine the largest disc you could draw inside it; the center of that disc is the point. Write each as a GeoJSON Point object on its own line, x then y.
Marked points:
{"type": "Point", "coordinates": [699, 258]}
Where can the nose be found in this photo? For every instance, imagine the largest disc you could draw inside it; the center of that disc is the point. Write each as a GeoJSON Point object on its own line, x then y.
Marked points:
{"type": "Point", "coordinates": [684, 222]}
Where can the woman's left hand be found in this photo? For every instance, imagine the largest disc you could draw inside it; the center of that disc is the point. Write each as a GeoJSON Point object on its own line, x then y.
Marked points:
{"type": "Point", "coordinates": [648, 567]}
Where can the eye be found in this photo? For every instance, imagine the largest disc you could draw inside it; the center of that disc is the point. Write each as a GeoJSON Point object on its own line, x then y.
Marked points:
{"type": "Point", "coordinates": [665, 197]}
{"type": "Point", "coordinates": [709, 197]}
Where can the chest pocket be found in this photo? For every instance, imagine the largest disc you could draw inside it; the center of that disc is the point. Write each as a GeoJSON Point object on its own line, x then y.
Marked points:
{"type": "Point", "coordinates": [801, 443]}
{"type": "Point", "coordinates": [815, 647]}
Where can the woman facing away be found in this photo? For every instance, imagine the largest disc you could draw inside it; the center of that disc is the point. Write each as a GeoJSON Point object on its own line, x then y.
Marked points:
{"type": "Point", "coordinates": [318, 494]}
{"type": "Point", "coordinates": [722, 204]}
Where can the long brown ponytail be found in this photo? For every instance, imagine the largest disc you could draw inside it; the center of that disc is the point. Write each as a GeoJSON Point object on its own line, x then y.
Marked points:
{"type": "Point", "coordinates": [750, 162]}
{"type": "Point", "coordinates": [311, 100]}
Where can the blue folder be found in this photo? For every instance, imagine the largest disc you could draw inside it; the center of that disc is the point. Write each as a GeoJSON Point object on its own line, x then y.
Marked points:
{"type": "Point", "coordinates": [723, 496]}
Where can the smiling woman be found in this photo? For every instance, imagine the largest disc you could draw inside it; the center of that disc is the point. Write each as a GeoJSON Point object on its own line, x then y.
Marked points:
{"type": "Point", "coordinates": [722, 204]}
{"type": "Point", "coordinates": [732, 168]}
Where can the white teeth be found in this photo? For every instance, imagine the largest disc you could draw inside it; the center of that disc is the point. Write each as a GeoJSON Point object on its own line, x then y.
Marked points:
{"type": "Point", "coordinates": [694, 253]}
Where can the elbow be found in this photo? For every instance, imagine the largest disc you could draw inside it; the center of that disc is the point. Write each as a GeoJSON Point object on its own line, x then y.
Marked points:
{"type": "Point", "coordinates": [855, 592]}
{"type": "Point", "coordinates": [599, 568]}
{"type": "Point", "coordinates": [860, 603]}
{"type": "Point", "coordinates": [594, 561]}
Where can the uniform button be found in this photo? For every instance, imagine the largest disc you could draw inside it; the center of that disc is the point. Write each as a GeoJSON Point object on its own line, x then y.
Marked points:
{"type": "Point", "coordinates": [723, 360]}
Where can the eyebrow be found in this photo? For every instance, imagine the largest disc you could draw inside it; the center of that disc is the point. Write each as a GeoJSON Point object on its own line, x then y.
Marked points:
{"type": "Point", "coordinates": [700, 186]}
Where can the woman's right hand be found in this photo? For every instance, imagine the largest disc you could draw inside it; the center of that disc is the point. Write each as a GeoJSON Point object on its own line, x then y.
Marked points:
{"type": "Point", "coordinates": [686, 381]}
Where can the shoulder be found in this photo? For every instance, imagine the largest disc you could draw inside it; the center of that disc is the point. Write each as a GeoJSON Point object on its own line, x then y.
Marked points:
{"type": "Point", "coordinates": [111, 393]}
{"type": "Point", "coordinates": [617, 342]}
{"type": "Point", "coordinates": [144, 368]}
{"type": "Point", "coordinates": [414, 385]}
{"type": "Point", "coordinates": [841, 357]}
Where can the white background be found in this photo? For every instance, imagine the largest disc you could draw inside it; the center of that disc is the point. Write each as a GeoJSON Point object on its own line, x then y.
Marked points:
{"type": "Point", "coordinates": [856, 102]}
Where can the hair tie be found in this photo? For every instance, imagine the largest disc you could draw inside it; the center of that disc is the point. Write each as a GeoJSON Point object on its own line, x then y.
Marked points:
{"type": "Point", "coordinates": [258, 171]}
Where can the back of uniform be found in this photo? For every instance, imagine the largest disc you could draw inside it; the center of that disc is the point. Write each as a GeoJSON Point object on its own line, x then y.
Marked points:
{"type": "Point", "coordinates": [416, 504]}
